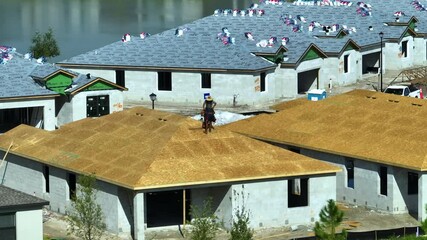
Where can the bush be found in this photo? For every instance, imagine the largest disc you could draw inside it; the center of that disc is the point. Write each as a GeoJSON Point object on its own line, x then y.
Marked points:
{"type": "Point", "coordinates": [240, 229]}
{"type": "Point", "coordinates": [205, 224]}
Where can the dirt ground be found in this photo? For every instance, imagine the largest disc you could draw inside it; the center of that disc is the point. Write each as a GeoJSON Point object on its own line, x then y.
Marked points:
{"type": "Point", "coordinates": [355, 219]}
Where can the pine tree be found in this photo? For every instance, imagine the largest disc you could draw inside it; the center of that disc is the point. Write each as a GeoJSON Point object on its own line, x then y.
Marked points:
{"type": "Point", "coordinates": [85, 219]}
{"type": "Point", "coordinates": [330, 218]}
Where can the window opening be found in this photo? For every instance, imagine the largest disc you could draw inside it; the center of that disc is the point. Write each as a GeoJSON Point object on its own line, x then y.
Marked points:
{"type": "Point", "coordinates": [262, 82]}
{"type": "Point", "coordinates": [164, 81]}
{"type": "Point", "coordinates": [349, 166]}
{"type": "Point", "coordinates": [120, 78]}
{"type": "Point", "coordinates": [383, 181]}
{"type": "Point", "coordinates": [298, 192]}
{"type": "Point", "coordinates": [405, 48]}
{"type": "Point", "coordinates": [412, 183]}
{"type": "Point", "coordinates": [46, 178]}
{"type": "Point", "coordinates": [206, 80]}
{"type": "Point", "coordinates": [346, 63]}
{"type": "Point", "coordinates": [72, 184]}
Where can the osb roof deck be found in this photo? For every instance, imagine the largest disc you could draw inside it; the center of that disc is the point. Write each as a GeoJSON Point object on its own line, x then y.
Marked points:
{"type": "Point", "coordinates": [144, 149]}
{"type": "Point", "coordinates": [363, 124]}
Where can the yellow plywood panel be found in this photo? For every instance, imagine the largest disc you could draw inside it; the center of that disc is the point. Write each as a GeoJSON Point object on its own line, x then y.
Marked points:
{"type": "Point", "coordinates": [142, 149]}
{"type": "Point", "coordinates": [368, 125]}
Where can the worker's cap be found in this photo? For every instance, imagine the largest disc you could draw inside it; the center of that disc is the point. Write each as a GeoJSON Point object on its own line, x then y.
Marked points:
{"type": "Point", "coordinates": [209, 98]}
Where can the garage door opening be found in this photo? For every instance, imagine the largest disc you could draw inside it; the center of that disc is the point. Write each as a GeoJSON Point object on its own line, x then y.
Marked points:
{"type": "Point", "coordinates": [370, 63]}
{"type": "Point", "coordinates": [166, 208]}
{"type": "Point", "coordinates": [10, 118]}
{"type": "Point", "coordinates": [308, 80]}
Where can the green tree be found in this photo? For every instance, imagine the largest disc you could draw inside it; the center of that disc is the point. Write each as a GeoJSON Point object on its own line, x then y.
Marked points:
{"type": "Point", "coordinates": [205, 224]}
{"type": "Point", "coordinates": [44, 45]}
{"type": "Point", "coordinates": [85, 219]}
{"type": "Point", "coordinates": [330, 218]}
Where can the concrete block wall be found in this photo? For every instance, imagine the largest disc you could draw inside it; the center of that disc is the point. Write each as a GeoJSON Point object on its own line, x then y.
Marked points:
{"type": "Point", "coordinates": [59, 190]}
{"type": "Point", "coordinates": [267, 202]}
{"type": "Point", "coordinates": [108, 200]}
{"type": "Point", "coordinates": [402, 201]}
{"type": "Point", "coordinates": [125, 211]}
{"type": "Point", "coordinates": [321, 189]}
{"type": "Point", "coordinates": [221, 201]}
{"type": "Point", "coordinates": [22, 174]}
{"type": "Point", "coordinates": [366, 190]}
{"type": "Point", "coordinates": [29, 224]}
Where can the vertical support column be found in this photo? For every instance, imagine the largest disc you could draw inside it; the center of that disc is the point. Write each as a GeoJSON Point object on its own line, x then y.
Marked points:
{"type": "Point", "coordinates": [138, 216]}
{"type": "Point", "coordinates": [422, 196]}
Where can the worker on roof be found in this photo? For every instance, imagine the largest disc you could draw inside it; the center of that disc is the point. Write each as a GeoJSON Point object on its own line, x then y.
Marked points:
{"type": "Point", "coordinates": [209, 109]}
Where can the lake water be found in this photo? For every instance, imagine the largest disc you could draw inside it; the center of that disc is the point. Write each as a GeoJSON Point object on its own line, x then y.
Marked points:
{"type": "Point", "coordinates": [82, 25]}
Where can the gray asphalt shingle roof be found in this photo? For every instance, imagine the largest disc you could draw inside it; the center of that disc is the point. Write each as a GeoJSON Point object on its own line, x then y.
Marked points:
{"type": "Point", "coordinates": [16, 78]}
{"type": "Point", "coordinates": [43, 71]}
{"type": "Point", "coordinates": [199, 47]}
{"type": "Point", "coordinates": [13, 198]}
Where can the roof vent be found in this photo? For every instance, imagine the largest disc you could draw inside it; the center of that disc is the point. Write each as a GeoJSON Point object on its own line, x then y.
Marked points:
{"type": "Point", "coordinates": [88, 76]}
{"type": "Point", "coordinates": [416, 104]}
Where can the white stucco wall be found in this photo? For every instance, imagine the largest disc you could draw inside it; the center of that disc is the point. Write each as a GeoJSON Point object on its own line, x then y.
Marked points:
{"type": "Point", "coordinates": [76, 109]}
{"type": "Point", "coordinates": [419, 52]}
{"type": "Point", "coordinates": [393, 57]}
{"type": "Point", "coordinates": [29, 224]}
{"type": "Point", "coordinates": [289, 83]}
{"type": "Point", "coordinates": [186, 87]}
{"type": "Point", "coordinates": [422, 197]}
{"type": "Point", "coordinates": [48, 105]}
